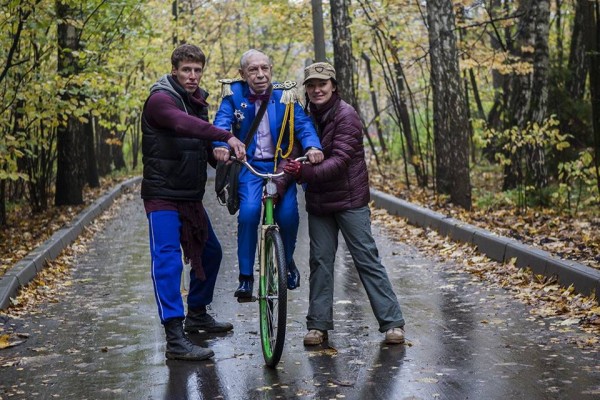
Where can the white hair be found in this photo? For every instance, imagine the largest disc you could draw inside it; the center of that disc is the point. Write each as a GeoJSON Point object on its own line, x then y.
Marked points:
{"type": "Point", "coordinates": [247, 54]}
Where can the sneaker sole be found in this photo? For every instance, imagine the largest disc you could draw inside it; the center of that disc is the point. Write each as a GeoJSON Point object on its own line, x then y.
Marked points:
{"type": "Point", "coordinates": [209, 330]}
{"type": "Point", "coordinates": [394, 341]}
{"type": "Point", "coordinates": [183, 357]}
{"type": "Point", "coordinates": [311, 343]}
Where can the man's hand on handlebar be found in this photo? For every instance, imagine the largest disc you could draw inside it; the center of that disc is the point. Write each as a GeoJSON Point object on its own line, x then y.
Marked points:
{"type": "Point", "coordinates": [221, 153]}
{"type": "Point", "coordinates": [315, 156]}
{"type": "Point", "coordinates": [236, 147]}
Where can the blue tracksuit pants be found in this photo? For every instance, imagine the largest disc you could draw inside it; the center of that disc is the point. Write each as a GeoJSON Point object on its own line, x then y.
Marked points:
{"type": "Point", "coordinates": [167, 266]}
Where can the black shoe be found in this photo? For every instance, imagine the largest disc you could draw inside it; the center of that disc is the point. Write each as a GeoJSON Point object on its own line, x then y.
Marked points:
{"type": "Point", "coordinates": [293, 276]}
{"type": "Point", "coordinates": [202, 321]}
{"type": "Point", "coordinates": [245, 288]}
{"type": "Point", "coordinates": [179, 346]}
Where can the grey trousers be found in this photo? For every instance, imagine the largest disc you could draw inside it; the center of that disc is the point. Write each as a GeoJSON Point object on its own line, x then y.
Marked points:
{"type": "Point", "coordinates": [355, 226]}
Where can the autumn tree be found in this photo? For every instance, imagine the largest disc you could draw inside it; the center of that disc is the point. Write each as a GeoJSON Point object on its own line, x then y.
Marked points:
{"type": "Point", "coordinates": [382, 38]}
{"type": "Point", "coordinates": [16, 70]}
{"type": "Point", "coordinates": [567, 86]}
{"type": "Point", "coordinates": [71, 162]}
{"type": "Point", "coordinates": [528, 90]}
{"type": "Point", "coordinates": [450, 123]}
{"type": "Point", "coordinates": [100, 104]}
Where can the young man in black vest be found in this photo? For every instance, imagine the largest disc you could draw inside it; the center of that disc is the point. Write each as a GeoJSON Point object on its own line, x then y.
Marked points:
{"type": "Point", "coordinates": [176, 147]}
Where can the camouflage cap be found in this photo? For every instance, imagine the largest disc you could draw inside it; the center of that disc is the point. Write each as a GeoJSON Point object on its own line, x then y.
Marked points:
{"type": "Point", "coordinates": [319, 70]}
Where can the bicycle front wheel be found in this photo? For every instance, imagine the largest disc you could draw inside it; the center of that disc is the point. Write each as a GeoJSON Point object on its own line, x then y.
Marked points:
{"type": "Point", "coordinates": [273, 298]}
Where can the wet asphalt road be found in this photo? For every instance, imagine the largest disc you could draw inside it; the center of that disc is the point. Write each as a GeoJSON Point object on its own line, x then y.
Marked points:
{"type": "Point", "coordinates": [103, 340]}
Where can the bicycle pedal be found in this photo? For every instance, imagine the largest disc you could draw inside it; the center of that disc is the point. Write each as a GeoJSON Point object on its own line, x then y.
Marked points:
{"type": "Point", "coordinates": [246, 299]}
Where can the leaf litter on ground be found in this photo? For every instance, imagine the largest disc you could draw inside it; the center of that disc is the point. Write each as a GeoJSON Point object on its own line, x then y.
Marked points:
{"type": "Point", "coordinates": [52, 282]}
{"type": "Point", "coordinates": [572, 237]}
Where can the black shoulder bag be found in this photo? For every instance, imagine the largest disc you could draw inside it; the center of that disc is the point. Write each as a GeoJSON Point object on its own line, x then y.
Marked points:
{"type": "Point", "coordinates": [228, 174]}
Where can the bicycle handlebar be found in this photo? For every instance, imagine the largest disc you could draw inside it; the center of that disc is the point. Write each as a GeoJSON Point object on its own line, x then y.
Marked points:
{"type": "Point", "coordinates": [260, 174]}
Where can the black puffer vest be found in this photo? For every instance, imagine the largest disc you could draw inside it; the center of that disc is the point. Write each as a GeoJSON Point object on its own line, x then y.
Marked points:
{"type": "Point", "coordinates": [174, 166]}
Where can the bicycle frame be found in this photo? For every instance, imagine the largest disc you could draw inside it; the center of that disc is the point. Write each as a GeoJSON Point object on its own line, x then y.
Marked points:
{"type": "Point", "coordinates": [272, 288]}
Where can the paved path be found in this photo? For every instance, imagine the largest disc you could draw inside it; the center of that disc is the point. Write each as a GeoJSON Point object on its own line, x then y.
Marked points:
{"type": "Point", "coordinates": [103, 339]}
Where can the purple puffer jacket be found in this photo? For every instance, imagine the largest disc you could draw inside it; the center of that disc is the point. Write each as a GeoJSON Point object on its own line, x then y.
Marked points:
{"type": "Point", "coordinates": [341, 181]}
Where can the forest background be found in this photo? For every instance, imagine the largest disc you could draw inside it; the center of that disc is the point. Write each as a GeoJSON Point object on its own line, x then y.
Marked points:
{"type": "Point", "coordinates": [488, 111]}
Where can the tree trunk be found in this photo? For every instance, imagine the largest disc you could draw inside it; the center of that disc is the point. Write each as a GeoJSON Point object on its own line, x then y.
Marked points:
{"type": "Point", "coordinates": [528, 93]}
{"type": "Point", "coordinates": [499, 41]}
{"type": "Point", "coordinates": [376, 114]}
{"type": "Point", "coordinates": [558, 25]}
{"type": "Point", "coordinates": [466, 77]}
{"type": "Point", "coordinates": [175, 13]}
{"type": "Point", "coordinates": [70, 168]}
{"type": "Point", "coordinates": [450, 123]}
{"type": "Point", "coordinates": [318, 30]}
{"type": "Point", "coordinates": [104, 157]}
{"type": "Point", "coordinates": [594, 51]}
{"type": "Point", "coordinates": [46, 159]}
{"type": "Point", "coordinates": [569, 106]}
{"type": "Point", "coordinates": [539, 92]}
{"type": "Point", "coordinates": [3, 221]}
{"type": "Point", "coordinates": [136, 133]}
{"type": "Point", "coordinates": [342, 49]}
{"type": "Point", "coordinates": [403, 113]}
{"type": "Point", "coordinates": [117, 152]}
{"type": "Point", "coordinates": [578, 66]}
{"type": "Point", "coordinates": [92, 176]}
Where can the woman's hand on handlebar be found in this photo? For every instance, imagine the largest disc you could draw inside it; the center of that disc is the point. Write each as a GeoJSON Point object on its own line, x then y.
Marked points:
{"type": "Point", "coordinates": [294, 168]}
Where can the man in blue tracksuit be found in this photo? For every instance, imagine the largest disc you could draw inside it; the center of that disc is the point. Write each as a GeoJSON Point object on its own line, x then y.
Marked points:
{"type": "Point", "coordinates": [266, 153]}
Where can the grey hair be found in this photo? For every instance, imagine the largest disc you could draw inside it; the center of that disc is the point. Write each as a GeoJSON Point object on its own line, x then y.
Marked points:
{"type": "Point", "coordinates": [251, 52]}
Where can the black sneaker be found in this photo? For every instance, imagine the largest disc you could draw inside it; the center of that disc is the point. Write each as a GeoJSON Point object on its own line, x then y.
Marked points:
{"type": "Point", "coordinates": [205, 322]}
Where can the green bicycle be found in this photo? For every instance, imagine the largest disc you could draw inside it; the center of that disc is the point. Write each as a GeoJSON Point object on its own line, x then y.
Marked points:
{"type": "Point", "coordinates": [272, 284]}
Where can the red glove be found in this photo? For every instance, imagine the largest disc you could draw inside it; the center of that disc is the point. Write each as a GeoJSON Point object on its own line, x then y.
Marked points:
{"type": "Point", "coordinates": [294, 168]}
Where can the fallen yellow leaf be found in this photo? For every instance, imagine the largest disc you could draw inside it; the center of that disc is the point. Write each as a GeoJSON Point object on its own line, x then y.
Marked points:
{"type": "Point", "coordinates": [4, 341]}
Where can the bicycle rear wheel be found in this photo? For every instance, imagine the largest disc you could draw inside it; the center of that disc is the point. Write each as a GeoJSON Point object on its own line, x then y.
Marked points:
{"type": "Point", "coordinates": [273, 298]}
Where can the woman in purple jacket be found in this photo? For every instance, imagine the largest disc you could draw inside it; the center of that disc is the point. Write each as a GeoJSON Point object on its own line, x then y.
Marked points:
{"type": "Point", "coordinates": [337, 199]}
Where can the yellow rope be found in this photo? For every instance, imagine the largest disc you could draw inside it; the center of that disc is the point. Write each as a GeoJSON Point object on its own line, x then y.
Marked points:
{"type": "Point", "coordinates": [289, 112]}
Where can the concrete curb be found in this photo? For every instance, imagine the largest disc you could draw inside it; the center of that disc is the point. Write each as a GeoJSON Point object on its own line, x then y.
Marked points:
{"type": "Point", "coordinates": [26, 269]}
{"type": "Point", "coordinates": [585, 280]}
